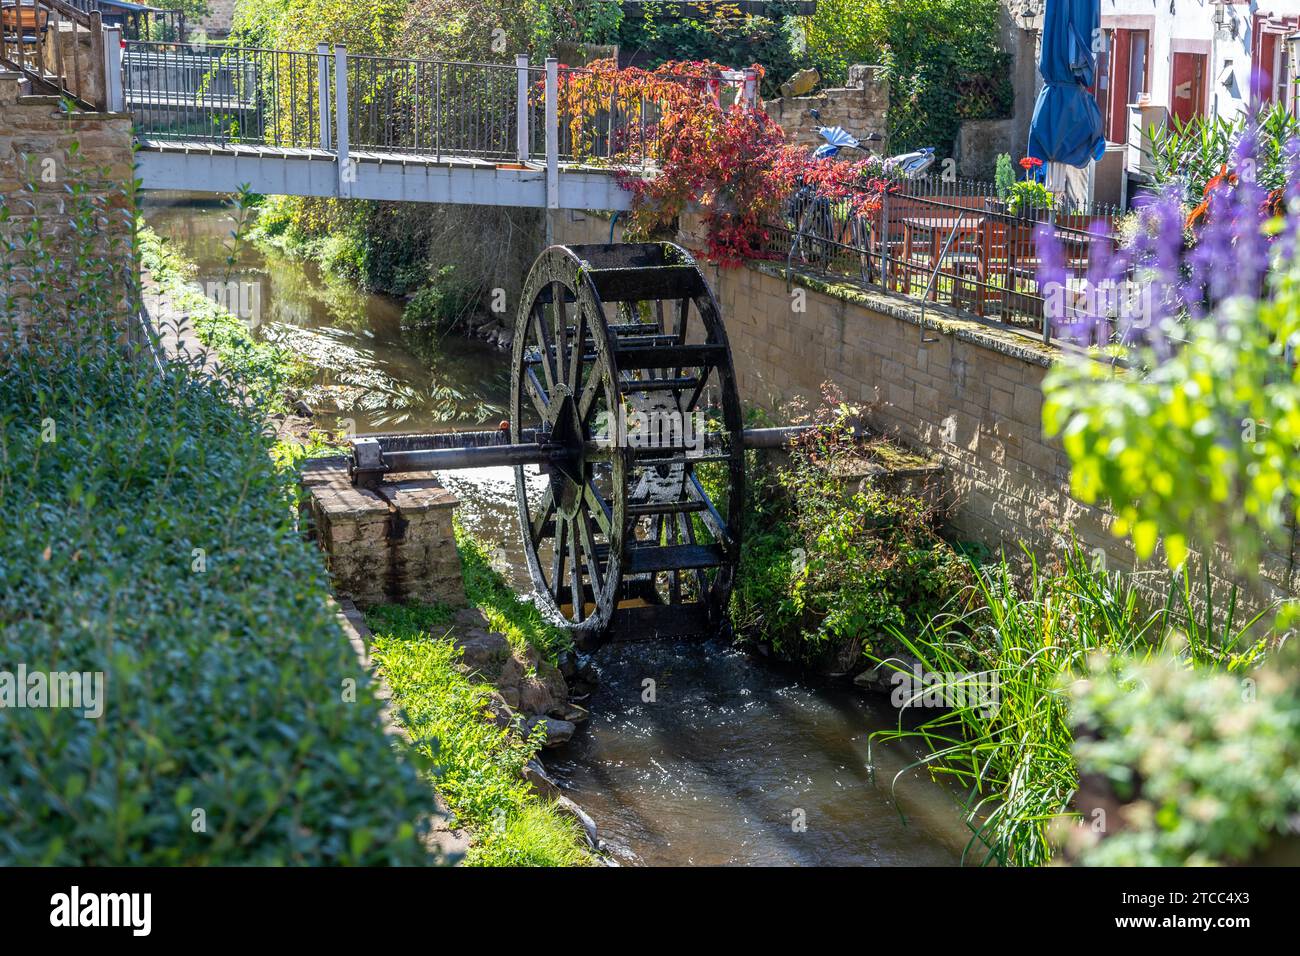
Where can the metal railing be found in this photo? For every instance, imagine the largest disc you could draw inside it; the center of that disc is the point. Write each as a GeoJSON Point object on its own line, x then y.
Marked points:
{"type": "Point", "coordinates": [429, 108]}
{"type": "Point", "coordinates": [57, 46]}
{"type": "Point", "coordinates": [223, 94]}
{"type": "Point", "coordinates": [605, 118]}
{"type": "Point", "coordinates": [950, 243]}
{"type": "Point", "coordinates": [432, 107]}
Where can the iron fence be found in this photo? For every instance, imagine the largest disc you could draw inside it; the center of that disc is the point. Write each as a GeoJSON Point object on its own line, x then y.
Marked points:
{"type": "Point", "coordinates": [605, 118]}
{"type": "Point", "coordinates": [432, 107]}
{"type": "Point", "coordinates": [224, 94]}
{"type": "Point", "coordinates": [948, 242]}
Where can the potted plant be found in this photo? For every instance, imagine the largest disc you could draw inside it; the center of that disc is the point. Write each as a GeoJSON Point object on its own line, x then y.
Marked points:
{"type": "Point", "coordinates": [1029, 198]}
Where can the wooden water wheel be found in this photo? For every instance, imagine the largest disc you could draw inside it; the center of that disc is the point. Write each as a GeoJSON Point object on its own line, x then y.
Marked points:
{"type": "Point", "coordinates": [623, 375]}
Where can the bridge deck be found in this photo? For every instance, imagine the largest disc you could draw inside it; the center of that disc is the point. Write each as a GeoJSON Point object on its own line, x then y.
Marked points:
{"type": "Point", "coordinates": [373, 174]}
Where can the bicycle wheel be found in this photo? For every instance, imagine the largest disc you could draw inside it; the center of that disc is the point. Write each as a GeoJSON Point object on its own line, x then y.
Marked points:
{"type": "Point", "coordinates": [815, 236]}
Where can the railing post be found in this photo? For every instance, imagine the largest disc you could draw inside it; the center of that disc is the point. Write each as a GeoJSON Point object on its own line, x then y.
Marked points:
{"type": "Point", "coordinates": [341, 118]}
{"type": "Point", "coordinates": [323, 92]}
{"type": "Point", "coordinates": [521, 109]}
{"type": "Point", "coordinates": [552, 133]}
{"type": "Point", "coordinates": [1065, 293]}
{"type": "Point", "coordinates": [114, 98]}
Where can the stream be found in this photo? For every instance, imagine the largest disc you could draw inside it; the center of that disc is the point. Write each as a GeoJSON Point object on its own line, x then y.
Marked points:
{"type": "Point", "coordinates": [734, 760]}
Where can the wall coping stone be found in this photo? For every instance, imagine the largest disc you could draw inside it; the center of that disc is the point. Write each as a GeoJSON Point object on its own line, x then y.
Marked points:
{"type": "Point", "coordinates": [937, 318]}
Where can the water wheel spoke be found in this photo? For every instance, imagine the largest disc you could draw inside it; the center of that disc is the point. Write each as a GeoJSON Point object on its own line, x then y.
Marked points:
{"type": "Point", "coordinates": [557, 559]}
{"type": "Point", "coordinates": [575, 573]}
{"type": "Point", "coordinates": [538, 394]}
{"type": "Point", "coordinates": [544, 342]}
{"type": "Point", "coordinates": [560, 320]}
{"type": "Point", "coordinates": [700, 385]}
{"type": "Point", "coordinates": [712, 520]}
{"type": "Point", "coordinates": [688, 537]}
{"type": "Point", "coordinates": [591, 391]}
{"type": "Point", "coordinates": [598, 508]}
{"type": "Point", "coordinates": [575, 362]}
{"type": "Point", "coordinates": [543, 515]}
{"type": "Point", "coordinates": [589, 552]}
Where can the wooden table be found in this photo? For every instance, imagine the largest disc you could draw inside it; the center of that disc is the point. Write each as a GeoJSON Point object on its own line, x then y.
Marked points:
{"type": "Point", "coordinates": [938, 227]}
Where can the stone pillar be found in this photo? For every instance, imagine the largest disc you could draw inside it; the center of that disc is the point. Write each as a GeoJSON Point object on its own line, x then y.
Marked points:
{"type": "Point", "coordinates": [391, 546]}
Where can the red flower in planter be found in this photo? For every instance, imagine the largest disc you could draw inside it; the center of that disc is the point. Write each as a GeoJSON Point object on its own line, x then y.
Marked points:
{"type": "Point", "coordinates": [1030, 162]}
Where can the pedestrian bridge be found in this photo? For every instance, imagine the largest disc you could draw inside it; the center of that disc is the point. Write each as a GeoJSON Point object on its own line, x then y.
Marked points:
{"type": "Point", "coordinates": [338, 124]}
{"type": "Point", "coordinates": [331, 123]}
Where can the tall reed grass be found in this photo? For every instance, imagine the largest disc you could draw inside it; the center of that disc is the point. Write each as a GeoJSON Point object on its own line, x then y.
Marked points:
{"type": "Point", "coordinates": [1028, 635]}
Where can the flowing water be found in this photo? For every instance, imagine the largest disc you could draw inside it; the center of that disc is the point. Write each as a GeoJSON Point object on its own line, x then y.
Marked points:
{"type": "Point", "coordinates": [694, 753]}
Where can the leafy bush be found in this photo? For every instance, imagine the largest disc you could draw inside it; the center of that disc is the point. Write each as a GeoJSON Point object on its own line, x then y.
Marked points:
{"type": "Point", "coordinates": [150, 544]}
{"type": "Point", "coordinates": [440, 305]}
{"type": "Point", "coordinates": [943, 59]}
{"type": "Point", "coordinates": [824, 567]}
{"type": "Point", "coordinates": [1004, 177]}
{"type": "Point", "coordinates": [1028, 635]}
{"type": "Point", "coordinates": [153, 541]}
{"type": "Point", "coordinates": [1207, 765]}
{"type": "Point", "coordinates": [719, 32]}
{"type": "Point", "coordinates": [1189, 154]}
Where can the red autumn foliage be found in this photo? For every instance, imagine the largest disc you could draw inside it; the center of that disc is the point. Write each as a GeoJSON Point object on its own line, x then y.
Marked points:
{"type": "Point", "coordinates": [730, 159]}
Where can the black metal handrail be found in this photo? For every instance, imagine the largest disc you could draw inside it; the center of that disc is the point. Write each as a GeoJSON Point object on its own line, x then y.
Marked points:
{"type": "Point", "coordinates": [945, 242]}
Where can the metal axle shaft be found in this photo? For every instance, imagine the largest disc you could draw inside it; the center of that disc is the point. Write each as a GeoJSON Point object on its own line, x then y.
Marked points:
{"type": "Point", "coordinates": [372, 458]}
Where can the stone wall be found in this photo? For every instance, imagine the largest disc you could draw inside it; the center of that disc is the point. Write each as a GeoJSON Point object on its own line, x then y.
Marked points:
{"type": "Point", "coordinates": [978, 144]}
{"type": "Point", "coordinates": [861, 107]}
{"type": "Point", "coordinates": [70, 173]}
{"type": "Point", "coordinates": [217, 23]}
{"type": "Point", "coordinates": [962, 393]}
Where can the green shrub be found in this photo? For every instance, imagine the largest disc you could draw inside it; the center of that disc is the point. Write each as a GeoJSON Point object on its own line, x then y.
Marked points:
{"type": "Point", "coordinates": [149, 542]}
{"type": "Point", "coordinates": [823, 566]}
{"type": "Point", "coordinates": [1004, 176]}
{"type": "Point", "coordinates": [438, 306]}
{"type": "Point", "coordinates": [943, 59]}
{"type": "Point", "coordinates": [1207, 765]}
{"type": "Point", "coordinates": [718, 32]}
{"type": "Point", "coordinates": [1191, 153]}
{"type": "Point", "coordinates": [343, 254]}
{"type": "Point", "coordinates": [153, 541]}
{"type": "Point", "coordinates": [1028, 635]}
